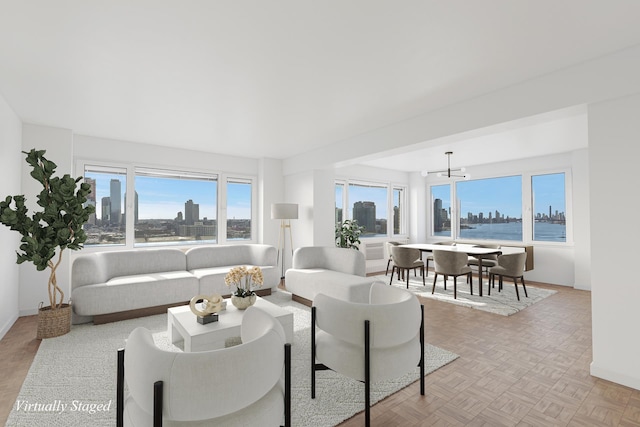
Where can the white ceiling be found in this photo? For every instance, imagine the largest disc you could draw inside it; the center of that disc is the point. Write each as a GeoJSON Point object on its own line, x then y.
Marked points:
{"type": "Point", "coordinates": [282, 77]}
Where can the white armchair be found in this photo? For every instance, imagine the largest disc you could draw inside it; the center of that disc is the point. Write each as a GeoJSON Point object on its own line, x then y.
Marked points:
{"type": "Point", "coordinates": [240, 385]}
{"type": "Point", "coordinates": [376, 341]}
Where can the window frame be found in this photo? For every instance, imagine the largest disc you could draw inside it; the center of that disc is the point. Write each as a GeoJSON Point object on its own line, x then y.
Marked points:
{"type": "Point", "coordinates": [527, 207]}
{"type": "Point", "coordinates": [222, 209]}
{"type": "Point", "coordinates": [221, 203]}
{"type": "Point", "coordinates": [347, 210]}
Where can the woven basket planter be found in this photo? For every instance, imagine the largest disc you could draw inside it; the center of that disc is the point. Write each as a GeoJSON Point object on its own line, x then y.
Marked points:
{"type": "Point", "coordinates": [53, 323]}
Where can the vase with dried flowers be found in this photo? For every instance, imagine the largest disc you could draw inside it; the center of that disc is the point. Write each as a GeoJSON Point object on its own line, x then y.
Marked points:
{"type": "Point", "coordinates": [245, 280]}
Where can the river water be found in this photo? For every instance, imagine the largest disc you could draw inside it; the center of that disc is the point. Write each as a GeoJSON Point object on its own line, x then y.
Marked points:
{"type": "Point", "coordinates": [544, 231]}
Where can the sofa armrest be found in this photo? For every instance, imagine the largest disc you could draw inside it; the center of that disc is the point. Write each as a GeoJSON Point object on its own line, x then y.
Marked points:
{"type": "Point", "coordinates": [86, 270]}
{"type": "Point", "coordinates": [348, 261]}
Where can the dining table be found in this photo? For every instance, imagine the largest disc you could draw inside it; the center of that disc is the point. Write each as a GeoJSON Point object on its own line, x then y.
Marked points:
{"type": "Point", "coordinates": [477, 252]}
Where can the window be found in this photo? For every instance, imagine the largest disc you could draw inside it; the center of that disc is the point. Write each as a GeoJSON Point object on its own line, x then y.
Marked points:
{"type": "Point", "coordinates": [369, 208]}
{"type": "Point", "coordinates": [173, 206]}
{"type": "Point", "coordinates": [398, 205]}
{"type": "Point", "coordinates": [490, 208]}
{"type": "Point", "coordinates": [238, 209]}
{"type": "Point", "coordinates": [108, 186]}
{"type": "Point", "coordinates": [139, 206]}
{"type": "Point", "coordinates": [441, 210]}
{"type": "Point", "coordinates": [379, 208]}
{"type": "Point", "coordinates": [549, 220]}
{"type": "Point", "coordinates": [339, 203]}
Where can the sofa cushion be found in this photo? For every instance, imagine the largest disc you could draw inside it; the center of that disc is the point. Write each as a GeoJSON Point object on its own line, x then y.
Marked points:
{"type": "Point", "coordinates": [212, 279]}
{"type": "Point", "coordinates": [230, 255]}
{"type": "Point", "coordinates": [133, 292]}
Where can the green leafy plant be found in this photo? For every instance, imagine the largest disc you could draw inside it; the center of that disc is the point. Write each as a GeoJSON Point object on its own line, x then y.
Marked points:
{"type": "Point", "coordinates": [56, 227]}
{"type": "Point", "coordinates": [348, 234]}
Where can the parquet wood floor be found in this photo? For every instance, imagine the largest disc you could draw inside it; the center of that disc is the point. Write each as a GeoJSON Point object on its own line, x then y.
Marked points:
{"type": "Point", "coordinates": [529, 369]}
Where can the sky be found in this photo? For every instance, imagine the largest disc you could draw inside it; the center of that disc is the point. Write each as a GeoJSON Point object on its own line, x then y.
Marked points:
{"type": "Point", "coordinates": [358, 193]}
{"type": "Point", "coordinates": [505, 195]}
{"type": "Point", "coordinates": [162, 198]}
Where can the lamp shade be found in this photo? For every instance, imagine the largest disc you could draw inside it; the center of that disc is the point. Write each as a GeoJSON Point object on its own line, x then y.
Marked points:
{"type": "Point", "coordinates": [284, 211]}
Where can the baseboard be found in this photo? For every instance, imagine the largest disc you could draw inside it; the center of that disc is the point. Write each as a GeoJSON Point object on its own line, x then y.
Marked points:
{"type": "Point", "coordinates": [301, 300]}
{"type": "Point", "coordinates": [100, 319]}
{"type": "Point", "coordinates": [7, 325]}
{"type": "Point", "coordinates": [616, 377]}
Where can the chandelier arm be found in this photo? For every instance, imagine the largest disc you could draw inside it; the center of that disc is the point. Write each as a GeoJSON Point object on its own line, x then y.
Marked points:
{"type": "Point", "coordinates": [448, 171]}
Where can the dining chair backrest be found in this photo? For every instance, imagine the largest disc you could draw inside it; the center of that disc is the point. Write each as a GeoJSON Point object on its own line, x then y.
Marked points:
{"type": "Point", "coordinates": [405, 257]}
{"type": "Point", "coordinates": [490, 246]}
{"type": "Point", "coordinates": [389, 245]}
{"type": "Point", "coordinates": [513, 264]}
{"type": "Point", "coordinates": [449, 262]}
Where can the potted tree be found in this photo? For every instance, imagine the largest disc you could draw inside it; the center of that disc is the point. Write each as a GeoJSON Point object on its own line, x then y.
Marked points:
{"type": "Point", "coordinates": [54, 228]}
{"type": "Point", "coordinates": [348, 234]}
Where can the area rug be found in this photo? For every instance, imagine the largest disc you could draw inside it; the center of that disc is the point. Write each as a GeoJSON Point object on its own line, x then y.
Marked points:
{"type": "Point", "coordinates": [72, 380]}
{"type": "Point", "coordinates": [504, 303]}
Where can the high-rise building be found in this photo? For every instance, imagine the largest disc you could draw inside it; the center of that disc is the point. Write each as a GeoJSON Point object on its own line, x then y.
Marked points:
{"type": "Point", "coordinates": [365, 214]}
{"type": "Point", "coordinates": [106, 210]}
{"type": "Point", "coordinates": [115, 194]}
{"type": "Point", "coordinates": [438, 221]}
{"type": "Point", "coordinates": [191, 212]}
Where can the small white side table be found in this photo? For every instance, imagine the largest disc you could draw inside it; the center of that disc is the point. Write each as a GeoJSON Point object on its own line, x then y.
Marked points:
{"type": "Point", "coordinates": [182, 325]}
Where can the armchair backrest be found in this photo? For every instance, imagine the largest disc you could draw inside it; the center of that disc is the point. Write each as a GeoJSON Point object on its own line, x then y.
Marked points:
{"type": "Point", "coordinates": [513, 264]}
{"type": "Point", "coordinates": [349, 261]}
{"type": "Point", "coordinates": [240, 375]}
{"type": "Point", "coordinates": [394, 313]}
{"type": "Point", "coordinates": [449, 262]}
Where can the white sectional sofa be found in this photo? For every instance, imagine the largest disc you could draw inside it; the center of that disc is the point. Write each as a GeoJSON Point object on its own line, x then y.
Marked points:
{"type": "Point", "coordinates": [337, 272]}
{"type": "Point", "coordinates": [108, 286]}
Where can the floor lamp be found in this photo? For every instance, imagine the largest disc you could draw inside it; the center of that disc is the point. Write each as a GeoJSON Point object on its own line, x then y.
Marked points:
{"type": "Point", "coordinates": [285, 212]}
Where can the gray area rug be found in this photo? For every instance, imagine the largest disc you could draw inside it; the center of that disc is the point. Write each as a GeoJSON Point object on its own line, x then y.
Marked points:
{"type": "Point", "coordinates": [504, 303]}
{"type": "Point", "coordinates": [72, 380]}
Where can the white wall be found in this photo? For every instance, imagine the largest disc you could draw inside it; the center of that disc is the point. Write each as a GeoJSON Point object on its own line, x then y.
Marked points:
{"type": "Point", "coordinates": [58, 143]}
{"type": "Point", "coordinates": [614, 130]}
{"type": "Point", "coordinates": [11, 160]}
{"type": "Point", "coordinates": [581, 220]}
{"type": "Point", "coordinates": [92, 148]}
{"type": "Point", "coordinates": [299, 189]}
{"type": "Point", "coordinates": [270, 190]}
{"type": "Point", "coordinates": [324, 207]}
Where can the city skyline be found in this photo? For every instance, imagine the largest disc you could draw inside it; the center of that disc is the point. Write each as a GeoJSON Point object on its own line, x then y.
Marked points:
{"type": "Point", "coordinates": [165, 204]}
{"type": "Point", "coordinates": [480, 196]}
